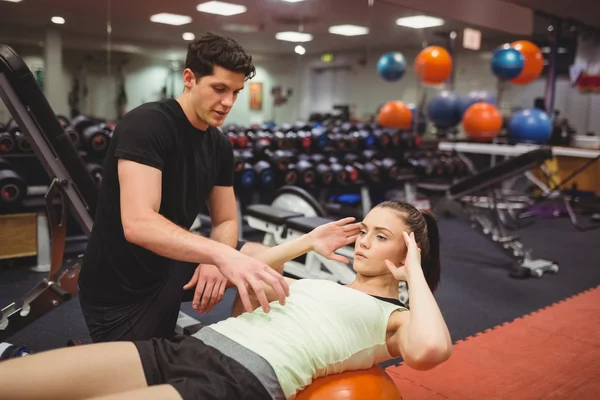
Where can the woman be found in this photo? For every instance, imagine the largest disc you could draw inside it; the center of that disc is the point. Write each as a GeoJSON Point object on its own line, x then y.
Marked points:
{"type": "Point", "coordinates": [324, 328]}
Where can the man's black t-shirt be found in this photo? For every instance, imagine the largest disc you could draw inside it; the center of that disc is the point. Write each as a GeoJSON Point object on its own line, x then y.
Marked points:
{"type": "Point", "coordinates": [192, 162]}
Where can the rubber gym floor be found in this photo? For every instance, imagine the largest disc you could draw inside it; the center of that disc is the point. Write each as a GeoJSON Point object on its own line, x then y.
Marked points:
{"type": "Point", "coordinates": [518, 339]}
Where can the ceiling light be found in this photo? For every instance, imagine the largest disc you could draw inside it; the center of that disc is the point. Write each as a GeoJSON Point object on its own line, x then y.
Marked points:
{"type": "Point", "coordinates": [296, 37]}
{"type": "Point", "coordinates": [240, 28]}
{"type": "Point", "coordinates": [188, 36]}
{"type": "Point", "coordinates": [14, 1]}
{"type": "Point", "coordinates": [300, 50]}
{"type": "Point", "coordinates": [221, 8]}
{"type": "Point", "coordinates": [171, 19]}
{"type": "Point", "coordinates": [58, 20]}
{"type": "Point", "coordinates": [292, 1]}
{"type": "Point", "coordinates": [419, 22]}
{"type": "Point", "coordinates": [348, 30]}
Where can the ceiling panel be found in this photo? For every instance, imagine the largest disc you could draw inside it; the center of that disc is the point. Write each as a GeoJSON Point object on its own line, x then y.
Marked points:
{"type": "Point", "coordinates": [27, 21]}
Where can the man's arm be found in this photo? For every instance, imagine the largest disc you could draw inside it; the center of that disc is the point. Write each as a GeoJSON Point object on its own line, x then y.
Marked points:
{"type": "Point", "coordinates": [142, 224]}
{"type": "Point", "coordinates": [223, 215]}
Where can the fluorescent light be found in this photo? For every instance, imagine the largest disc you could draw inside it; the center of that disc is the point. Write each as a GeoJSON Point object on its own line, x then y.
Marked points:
{"type": "Point", "coordinates": [221, 8]}
{"type": "Point", "coordinates": [292, 1]}
{"type": "Point", "coordinates": [58, 20]}
{"type": "Point", "coordinates": [348, 30]}
{"type": "Point", "coordinates": [300, 50]}
{"type": "Point", "coordinates": [188, 36]}
{"type": "Point", "coordinates": [171, 19]}
{"type": "Point", "coordinates": [296, 37]}
{"type": "Point", "coordinates": [419, 22]}
{"type": "Point", "coordinates": [240, 28]}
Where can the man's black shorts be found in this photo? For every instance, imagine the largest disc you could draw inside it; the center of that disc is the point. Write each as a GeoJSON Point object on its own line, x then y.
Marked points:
{"type": "Point", "coordinates": [197, 371]}
{"type": "Point", "coordinates": [147, 318]}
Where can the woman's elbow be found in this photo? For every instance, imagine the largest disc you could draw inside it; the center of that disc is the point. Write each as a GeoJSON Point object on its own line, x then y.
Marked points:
{"type": "Point", "coordinates": [430, 357]}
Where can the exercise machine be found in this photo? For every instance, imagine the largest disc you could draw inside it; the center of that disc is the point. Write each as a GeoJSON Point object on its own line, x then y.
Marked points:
{"type": "Point", "coordinates": [72, 189]}
{"type": "Point", "coordinates": [493, 221]}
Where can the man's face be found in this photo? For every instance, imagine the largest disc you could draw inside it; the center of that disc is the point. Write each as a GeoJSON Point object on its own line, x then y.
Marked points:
{"type": "Point", "coordinates": [212, 96]}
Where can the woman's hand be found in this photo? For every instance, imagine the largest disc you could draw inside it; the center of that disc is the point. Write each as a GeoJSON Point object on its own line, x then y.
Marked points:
{"type": "Point", "coordinates": [412, 260]}
{"type": "Point", "coordinates": [327, 238]}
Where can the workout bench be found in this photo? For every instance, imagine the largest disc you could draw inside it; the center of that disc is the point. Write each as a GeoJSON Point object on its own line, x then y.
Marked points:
{"type": "Point", "coordinates": [492, 221]}
{"type": "Point", "coordinates": [282, 225]}
{"type": "Point", "coordinates": [71, 185]}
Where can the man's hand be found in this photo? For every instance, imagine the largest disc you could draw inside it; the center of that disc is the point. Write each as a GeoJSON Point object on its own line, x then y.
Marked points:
{"type": "Point", "coordinates": [327, 238]}
{"type": "Point", "coordinates": [248, 273]}
{"type": "Point", "coordinates": [210, 287]}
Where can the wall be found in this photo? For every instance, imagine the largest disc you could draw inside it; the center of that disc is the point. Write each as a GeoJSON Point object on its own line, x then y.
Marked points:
{"type": "Point", "coordinates": [145, 78]}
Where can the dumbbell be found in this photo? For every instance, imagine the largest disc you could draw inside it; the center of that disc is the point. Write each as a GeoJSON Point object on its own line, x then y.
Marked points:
{"type": "Point", "coordinates": [81, 122]}
{"type": "Point", "coordinates": [19, 138]}
{"type": "Point", "coordinates": [383, 138]}
{"type": "Point", "coordinates": [367, 170]}
{"type": "Point", "coordinates": [307, 173]}
{"type": "Point", "coordinates": [73, 136]}
{"type": "Point", "coordinates": [13, 188]}
{"type": "Point", "coordinates": [96, 138]}
{"type": "Point", "coordinates": [343, 174]}
{"type": "Point", "coordinates": [320, 139]}
{"type": "Point", "coordinates": [96, 170]}
{"type": "Point", "coordinates": [323, 174]}
{"type": "Point", "coordinates": [7, 142]}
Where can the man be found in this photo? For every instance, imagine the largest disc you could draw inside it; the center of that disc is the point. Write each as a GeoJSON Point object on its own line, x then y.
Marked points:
{"type": "Point", "coordinates": [165, 160]}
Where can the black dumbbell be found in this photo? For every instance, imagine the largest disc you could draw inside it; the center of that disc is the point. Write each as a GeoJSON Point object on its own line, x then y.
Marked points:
{"type": "Point", "coordinates": [7, 142]}
{"type": "Point", "coordinates": [96, 138]}
{"type": "Point", "coordinates": [73, 136]}
{"type": "Point", "coordinates": [307, 173]}
{"type": "Point", "coordinates": [96, 170]}
{"type": "Point", "coordinates": [324, 175]}
{"type": "Point", "coordinates": [13, 188]}
{"type": "Point", "coordinates": [81, 122]}
{"type": "Point", "coordinates": [344, 174]}
{"type": "Point", "coordinates": [264, 172]}
{"type": "Point", "coordinates": [21, 142]}
{"type": "Point", "coordinates": [367, 170]}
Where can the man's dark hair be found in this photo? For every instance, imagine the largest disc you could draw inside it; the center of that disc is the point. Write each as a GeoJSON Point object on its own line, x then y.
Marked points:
{"type": "Point", "coordinates": [212, 49]}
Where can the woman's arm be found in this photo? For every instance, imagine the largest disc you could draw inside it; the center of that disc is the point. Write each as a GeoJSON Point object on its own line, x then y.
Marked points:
{"type": "Point", "coordinates": [324, 240]}
{"type": "Point", "coordinates": [423, 337]}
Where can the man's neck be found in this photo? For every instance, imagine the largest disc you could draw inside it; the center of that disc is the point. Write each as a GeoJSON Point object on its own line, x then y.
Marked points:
{"type": "Point", "coordinates": [184, 102]}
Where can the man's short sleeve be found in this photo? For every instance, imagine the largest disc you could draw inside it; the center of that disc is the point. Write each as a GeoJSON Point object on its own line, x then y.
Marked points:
{"type": "Point", "coordinates": [143, 137]}
{"type": "Point", "coordinates": [225, 177]}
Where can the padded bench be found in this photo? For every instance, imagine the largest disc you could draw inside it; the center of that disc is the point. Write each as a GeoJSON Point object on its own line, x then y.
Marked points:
{"type": "Point", "coordinates": [282, 225]}
{"type": "Point", "coordinates": [270, 220]}
{"type": "Point", "coordinates": [500, 173]}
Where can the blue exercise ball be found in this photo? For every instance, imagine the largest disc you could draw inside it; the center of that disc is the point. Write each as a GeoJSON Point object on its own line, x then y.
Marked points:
{"type": "Point", "coordinates": [476, 96]}
{"type": "Point", "coordinates": [507, 63]}
{"type": "Point", "coordinates": [530, 125]}
{"type": "Point", "coordinates": [391, 66]}
{"type": "Point", "coordinates": [444, 109]}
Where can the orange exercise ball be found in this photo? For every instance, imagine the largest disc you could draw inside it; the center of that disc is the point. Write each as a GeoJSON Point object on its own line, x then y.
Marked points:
{"type": "Point", "coordinates": [368, 384]}
{"type": "Point", "coordinates": [433, 65]}
{"type": "Point", "coordinates": [482, 122]}
{"type": "Point", "coordinates": [395, 114]}
{"type": "Point", "coordinates": [534, 62]}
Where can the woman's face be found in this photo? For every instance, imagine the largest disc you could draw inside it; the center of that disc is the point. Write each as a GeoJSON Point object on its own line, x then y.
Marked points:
{"type": "Point", "coordinates": [380, 239]}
